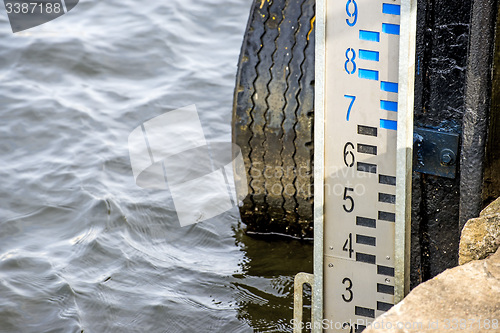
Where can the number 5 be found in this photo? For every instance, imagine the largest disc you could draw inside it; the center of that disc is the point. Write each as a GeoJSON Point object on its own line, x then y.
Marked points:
{"type": "Point", "coordinates": [348, 197]}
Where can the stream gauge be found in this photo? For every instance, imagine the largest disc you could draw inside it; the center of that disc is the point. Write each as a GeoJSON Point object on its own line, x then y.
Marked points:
{"type": "Point", "coordinates": [365, 56]}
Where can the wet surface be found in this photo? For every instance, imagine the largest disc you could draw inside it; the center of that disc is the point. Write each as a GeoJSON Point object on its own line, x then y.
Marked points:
{"type": "Point", "coordinates": [82, 247]}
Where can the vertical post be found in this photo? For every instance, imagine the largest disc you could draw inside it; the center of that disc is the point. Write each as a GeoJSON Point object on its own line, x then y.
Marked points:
{"type": "Point", "coordinates": [477, 107]}
{"type": "Point", "coordinates": [404, 147]}
{"type": "Point", "coordinates": [319, 162]}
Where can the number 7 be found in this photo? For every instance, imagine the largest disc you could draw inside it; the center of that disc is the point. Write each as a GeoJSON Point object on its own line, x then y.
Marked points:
{"type": "Point", "coordinates": [353, 98]}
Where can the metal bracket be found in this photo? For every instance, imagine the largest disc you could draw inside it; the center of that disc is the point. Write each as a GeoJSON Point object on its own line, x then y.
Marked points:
{"type": "Point", "coordinates": [434, 152]}
{"type": "Point", "coordinates": [298, 305]}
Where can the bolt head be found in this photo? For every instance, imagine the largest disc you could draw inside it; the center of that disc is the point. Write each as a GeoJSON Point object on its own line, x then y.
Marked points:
{"type": "Point", "coordinates": [447, 157]}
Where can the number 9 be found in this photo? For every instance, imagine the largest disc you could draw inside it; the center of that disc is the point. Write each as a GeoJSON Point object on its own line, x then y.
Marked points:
{"type": "Point", "coordinates": [353, 14]}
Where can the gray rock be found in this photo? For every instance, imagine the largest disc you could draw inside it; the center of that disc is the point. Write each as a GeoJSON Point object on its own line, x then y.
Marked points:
{"type": "Point", "coordinates": [480, 236]}
{"type": "Point", "coordinates": [462, 299]}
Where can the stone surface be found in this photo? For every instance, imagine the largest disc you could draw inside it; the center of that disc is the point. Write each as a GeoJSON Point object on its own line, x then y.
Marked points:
{"type": "Point", "coordinates": [492, 208]}
{"type": "Point", "coordinates": [480, 236]}
{"type": "Point", "coordinates": [462, 299]}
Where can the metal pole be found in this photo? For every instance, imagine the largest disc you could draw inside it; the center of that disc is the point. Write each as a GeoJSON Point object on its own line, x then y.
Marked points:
{"type": "Point", "coordinates": [404, 148]}
{"type": "Point", "coordinates": [319, 159]}
{"type": "Point", "coordinates": [477, 107]}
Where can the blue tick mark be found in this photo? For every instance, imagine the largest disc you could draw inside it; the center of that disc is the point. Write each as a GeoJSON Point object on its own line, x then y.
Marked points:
{"type": "Point", "coordinates": [389, 106]}
{"type": "Point", "coordinates": [388, 8]}
{"type": "Point", "coordinates": [389, 86]}
{"type": "Point", "coordinates": [368, 55]}
{"type": "Point", "coordinates": [371, 36]}
{"type": "Point", "coordinates": [391, 29]}
{"type": "Point", "coordinates": [367, 74]}
{"type": "Point", "coordinates": [388, 124]}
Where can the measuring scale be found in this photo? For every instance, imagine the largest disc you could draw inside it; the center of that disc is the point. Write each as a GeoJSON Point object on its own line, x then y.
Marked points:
{"type": "Point", "coordinates": [363, 138]}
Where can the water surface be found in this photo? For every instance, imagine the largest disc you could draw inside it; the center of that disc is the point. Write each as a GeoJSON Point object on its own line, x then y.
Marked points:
{"type": "Point", "coordinates": [82, 248]}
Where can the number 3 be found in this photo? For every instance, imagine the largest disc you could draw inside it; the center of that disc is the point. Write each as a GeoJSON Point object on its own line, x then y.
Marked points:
{"type": "Point", "coordinates": [348, 289]}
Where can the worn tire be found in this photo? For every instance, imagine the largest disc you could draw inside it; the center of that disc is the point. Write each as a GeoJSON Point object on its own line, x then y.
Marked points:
{"type": "Point", "coordinates": [273, 116]}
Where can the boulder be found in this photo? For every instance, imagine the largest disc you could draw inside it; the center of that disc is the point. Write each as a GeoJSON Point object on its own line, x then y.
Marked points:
{"type": "Point", "coordinates": [480, 236]}
{"type": "Point", "coordinates": [462, 299]}
{"type": "Point", "coordinates": [492, 208]}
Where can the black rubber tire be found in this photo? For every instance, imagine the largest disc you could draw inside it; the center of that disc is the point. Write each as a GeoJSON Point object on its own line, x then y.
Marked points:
{"type": "Point", "coordinates": [273, 114]}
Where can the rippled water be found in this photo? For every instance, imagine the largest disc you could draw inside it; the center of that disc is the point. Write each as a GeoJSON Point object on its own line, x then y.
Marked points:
{"type": "Point", "coordinates": [82, 248]}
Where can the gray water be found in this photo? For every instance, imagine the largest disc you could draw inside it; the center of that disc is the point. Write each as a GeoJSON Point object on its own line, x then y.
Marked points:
{"type": "Point", "coordinates": [82, 247]}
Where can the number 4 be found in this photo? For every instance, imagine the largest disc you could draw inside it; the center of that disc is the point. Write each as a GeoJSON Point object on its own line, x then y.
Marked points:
{"type": "Point", "coordinates": [348, 245]}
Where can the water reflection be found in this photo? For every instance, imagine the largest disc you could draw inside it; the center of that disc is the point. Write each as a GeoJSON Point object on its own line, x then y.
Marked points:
{"type": "Point", "coordinates": [265, 284]}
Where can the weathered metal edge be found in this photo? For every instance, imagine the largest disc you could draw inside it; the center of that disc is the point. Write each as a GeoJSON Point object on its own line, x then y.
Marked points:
{"type": "Point", "coordinates": [407, 49]}
{"type": "Point", "coordinates": [298, 301]}
{"type": "Point", "coordinates": [319, 163]}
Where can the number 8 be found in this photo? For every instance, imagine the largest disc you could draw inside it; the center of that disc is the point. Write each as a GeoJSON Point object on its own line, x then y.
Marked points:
{"type": "Point", "coordinates": [350, 59]}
